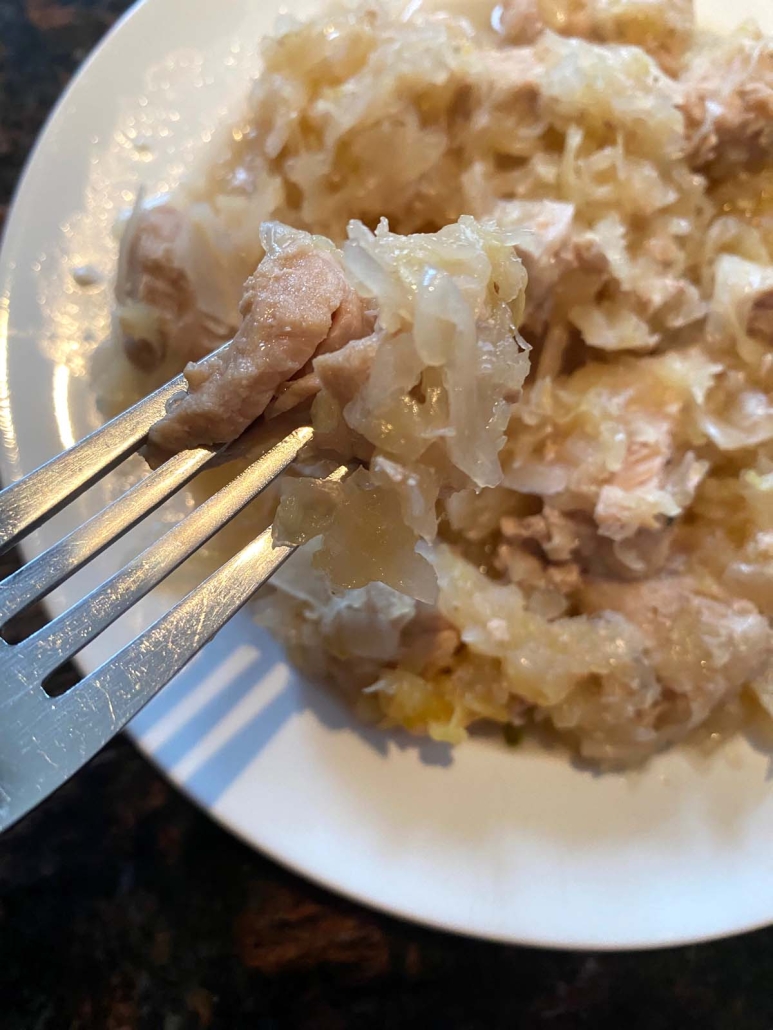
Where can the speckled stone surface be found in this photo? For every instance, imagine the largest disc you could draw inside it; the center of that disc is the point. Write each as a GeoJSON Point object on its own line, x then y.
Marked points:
{"type": "Point", "coordinates": [122, 907]}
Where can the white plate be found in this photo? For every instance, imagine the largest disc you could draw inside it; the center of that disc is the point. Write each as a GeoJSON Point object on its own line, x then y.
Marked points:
{"type": "Point", "coordinates": [514, 846]}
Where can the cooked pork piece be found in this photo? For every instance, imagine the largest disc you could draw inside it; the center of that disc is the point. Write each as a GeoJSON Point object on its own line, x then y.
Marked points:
{"type": "Point", "coordinates": [297, 304]}
{"type": "Point", "coordinates": [701, 648]}
{"type": "Point", "coordinates": [728, 104]}
{"type": "Point", "coordinates": [164, 312]}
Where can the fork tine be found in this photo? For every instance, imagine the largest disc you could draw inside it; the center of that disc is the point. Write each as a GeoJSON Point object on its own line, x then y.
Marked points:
{"type": "Point", "coordinates": [39, 576]}
{"type": "Point", "coordinates": [24, 505]}
{"type": "Point", "coordinates": [65, 732]}
{"type": "Point", "coordinates": [57, 642]}
{"type": "Point", "coordinates": [133, 676]}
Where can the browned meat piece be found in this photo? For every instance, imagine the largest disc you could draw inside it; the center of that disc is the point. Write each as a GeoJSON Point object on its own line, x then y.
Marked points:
{"type": "Point", "coordinates": [552, 248]}
{"type": "Point", "coordinates": [340, 375]}
{"type": "Point", "coordinates": [649, 478]}
{"type": "Point", "coordinates": [741, 311]}
{"type": "Point", "coordinates": [297, 302]}
{"type": "Point", "coordinates": [536, 554]}
{"type": "Point", "coordinates": [351, 321]}
{"type": "Point", "coordinates": [643, 555]}
{"type": "Point", "coordinates": [704, 643]}
{"type": "Point", "coordinates": [573, 539]}
{"type": "Point", "coordinates": [344, 372]}
{"type": "Point", "coordinates": [585, 253]}
{"type": "Point", "coordinates": [545, 246]}
{"type": "Point", "coordinates": [293, 394]}
{"type": "Point", "coordinates": [553, 530]}
{"type": "Point", "coordinates": [521, 21]}
{"type": "Point", "coordinates": [428, 642]}
{"type": "Point", "coordinates": [159, 310]}
{"type": "Point", "coordinates": [728, 105]}
{"type": "Point", "coordinates": [564, 260]}
{"type": "Point", "coordinates": [532, 572]}
{"type": "Point", "coordinates": [644, 464]}
{"type": "Point", "coordinates": [662, 27]}
{"type": "Point", "coordinates": [701, 648]}
{"type": "Point", "coordinates": [508, 81]}
{"type": "Point", "coordinates": [760, 322]}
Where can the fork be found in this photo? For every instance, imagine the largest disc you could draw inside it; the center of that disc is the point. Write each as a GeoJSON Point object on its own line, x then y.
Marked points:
{"type": "Point", "coordinates": [45, 739]}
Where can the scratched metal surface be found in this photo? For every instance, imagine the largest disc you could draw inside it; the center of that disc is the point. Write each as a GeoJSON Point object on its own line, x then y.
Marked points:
{"type": "Point", "coordinates": [45, 739]}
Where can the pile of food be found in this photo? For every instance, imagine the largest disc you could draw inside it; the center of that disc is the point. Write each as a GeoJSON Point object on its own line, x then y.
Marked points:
{"type": "Point", "coordinates": [522, 277]}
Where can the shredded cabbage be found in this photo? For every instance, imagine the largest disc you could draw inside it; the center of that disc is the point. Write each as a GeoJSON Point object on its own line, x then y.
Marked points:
{"type": "Point", "coordinates": [562, 508]}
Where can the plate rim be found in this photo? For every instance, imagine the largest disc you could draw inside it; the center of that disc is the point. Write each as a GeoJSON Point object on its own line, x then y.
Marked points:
{"type": "Point", "coordinates": [438, 925]}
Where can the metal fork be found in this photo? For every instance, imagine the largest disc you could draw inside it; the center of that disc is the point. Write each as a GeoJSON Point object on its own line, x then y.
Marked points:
{"type": "Point", "coordinates": [44, 739]}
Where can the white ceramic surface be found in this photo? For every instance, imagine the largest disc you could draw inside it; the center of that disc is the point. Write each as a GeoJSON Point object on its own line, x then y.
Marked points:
{"type": "Point", "coordinates": [514, 846]}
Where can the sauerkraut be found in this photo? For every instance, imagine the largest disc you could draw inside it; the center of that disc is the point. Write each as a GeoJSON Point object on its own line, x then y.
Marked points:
{"type": "Point", "coordinates": [521, 279]}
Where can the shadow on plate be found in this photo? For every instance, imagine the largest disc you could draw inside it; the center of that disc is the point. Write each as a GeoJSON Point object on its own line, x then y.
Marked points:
{"type": "Point", "coordinates": [210, 724]}
{"type": "Point", "coordinates": [217, 716]}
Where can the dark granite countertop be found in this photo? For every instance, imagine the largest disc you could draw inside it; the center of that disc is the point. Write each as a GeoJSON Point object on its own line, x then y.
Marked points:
{"type": "Point", "coordinates": [122, 907]}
